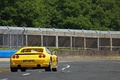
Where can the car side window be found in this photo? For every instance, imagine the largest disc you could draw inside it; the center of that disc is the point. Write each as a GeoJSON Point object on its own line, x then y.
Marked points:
{"type": "Point", "coordinates": [48, 51]}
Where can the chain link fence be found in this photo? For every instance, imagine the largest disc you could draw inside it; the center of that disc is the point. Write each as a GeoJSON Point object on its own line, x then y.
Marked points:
{"type": "Point", "coordinates": [15, 37]}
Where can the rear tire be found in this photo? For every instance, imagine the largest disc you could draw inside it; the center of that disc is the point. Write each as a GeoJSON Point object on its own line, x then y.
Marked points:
{"type": "Point", "coordinates": [23, 69]}
{"type": "Point", "coordinates": [48, 68]}
{"type": "Point", "coordinates": [13, 69]}
{"type": "Point", "coordinates": [54, 69]}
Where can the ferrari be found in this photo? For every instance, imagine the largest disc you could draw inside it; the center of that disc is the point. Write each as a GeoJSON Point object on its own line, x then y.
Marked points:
{"type": "Point", "coordinates": [33, 58]}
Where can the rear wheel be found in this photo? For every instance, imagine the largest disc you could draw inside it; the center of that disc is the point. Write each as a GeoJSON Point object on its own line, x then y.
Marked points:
{"type": "Point", "coordinates": [48, 68]}
{"type": "Point", "coordinates": [54, 69]}
{"type": "Point", "coordinates": [23, 69]}
{"type": "Point", "coordinates": [13, 69]}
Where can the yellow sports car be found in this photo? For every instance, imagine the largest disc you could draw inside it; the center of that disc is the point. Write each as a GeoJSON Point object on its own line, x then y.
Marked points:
{"type": "Point", "coordinates": [33, 58]}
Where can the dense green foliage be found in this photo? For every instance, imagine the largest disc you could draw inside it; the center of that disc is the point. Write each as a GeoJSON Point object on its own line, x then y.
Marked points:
{"type": "Point", "coordinates": [72, 14]}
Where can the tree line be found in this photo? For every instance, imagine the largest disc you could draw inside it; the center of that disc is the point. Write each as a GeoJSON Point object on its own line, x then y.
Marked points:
{"type": "Point", "coordinates": [72, 14]}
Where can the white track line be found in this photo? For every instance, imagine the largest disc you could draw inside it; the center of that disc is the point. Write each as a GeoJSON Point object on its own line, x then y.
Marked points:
{"type": "Point", "coordinates": [4, 79]}
{"type": "Point", "coordinates": [65, 61]}
{"type": "Point", "coordinates": [68, 66]}
{"type": "Point", "coordinates": [26, 74]}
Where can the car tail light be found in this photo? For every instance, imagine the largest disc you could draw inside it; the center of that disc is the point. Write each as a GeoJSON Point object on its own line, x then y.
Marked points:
{"type": "Point", "coordinates": [15, 56]}
{"type": "Point", "coordinates": [42, 56]}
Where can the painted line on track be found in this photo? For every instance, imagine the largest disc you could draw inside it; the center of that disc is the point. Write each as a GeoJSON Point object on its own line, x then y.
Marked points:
{"type": "Point", "coordinates": [64, 68]}
{"type": "Point", "coordinates": [26, 74]}
{"type": "Point", "coordinates": [4, 79]}
{"type": "Point", "coordinates": [65, 61]}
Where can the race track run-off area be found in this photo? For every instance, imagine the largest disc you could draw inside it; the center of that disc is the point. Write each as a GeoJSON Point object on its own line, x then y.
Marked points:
{"type": "Point", "coordinates": [70, 69]}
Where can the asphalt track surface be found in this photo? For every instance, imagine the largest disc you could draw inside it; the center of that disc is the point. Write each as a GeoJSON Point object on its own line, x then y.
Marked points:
{"type": "Point", "coordinates": [70, 69]}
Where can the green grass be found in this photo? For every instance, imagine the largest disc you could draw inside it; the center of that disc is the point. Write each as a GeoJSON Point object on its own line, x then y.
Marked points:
{"type": "Point", "coordinates": [65, 49]}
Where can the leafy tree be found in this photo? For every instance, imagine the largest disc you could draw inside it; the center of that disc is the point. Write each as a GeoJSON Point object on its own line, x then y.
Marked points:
{"type": "Point", "coordinates": [73, 14]}
{"type": "Point", "coordinates": [20, 13]}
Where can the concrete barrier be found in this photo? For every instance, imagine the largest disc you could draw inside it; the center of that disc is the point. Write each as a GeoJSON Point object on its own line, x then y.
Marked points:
{"type": "Point", "coordinates": [7, 53]}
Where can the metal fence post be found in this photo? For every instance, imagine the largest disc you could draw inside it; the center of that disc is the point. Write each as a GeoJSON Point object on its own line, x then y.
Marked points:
{"type": "Point", "coordinates": [41, 39]}
{"type": "Point", "coordinates": [70, 39]}
{"type": "Point", "coordinates": [41, 36]}
{"type": "Point", "coordinates": [110, 40]}
{"type": "Point", "coordinates": [46, 40]}
{"type": "Point", "coordinates": [57, 41]}
{"type": "Point", "coordinates": [84, 40]}
{"type": "Point", "coordinates": [26, 37]}
{"type": "Point", "coordinates": [98, 42]}
{"type": "Point", "coordinates": [17, 41]}
{"type": "Point", "coordinates": [74, 40]}
{"type": "Point", "coordinates": [9, 41]}
{"type": "Point", "coordinates": [3, 39]}
{"type": "Point", "coordinates": [56, 38]}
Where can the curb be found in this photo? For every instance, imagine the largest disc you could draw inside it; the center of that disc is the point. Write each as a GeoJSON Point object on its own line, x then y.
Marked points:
{"type": "Point", "coordinates": [4, 59]}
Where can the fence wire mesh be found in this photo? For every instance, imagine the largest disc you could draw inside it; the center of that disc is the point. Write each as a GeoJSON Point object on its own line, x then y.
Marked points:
{"type": "Point", "coordinates": [15, 37]}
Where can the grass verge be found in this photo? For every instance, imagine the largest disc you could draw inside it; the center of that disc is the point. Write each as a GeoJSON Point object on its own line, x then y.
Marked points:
{"type": "Point", "coordinates": [4, 69]}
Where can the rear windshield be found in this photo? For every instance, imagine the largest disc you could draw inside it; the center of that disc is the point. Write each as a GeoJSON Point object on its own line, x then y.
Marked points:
{"type": "Point", "coordinates": [32, 50]}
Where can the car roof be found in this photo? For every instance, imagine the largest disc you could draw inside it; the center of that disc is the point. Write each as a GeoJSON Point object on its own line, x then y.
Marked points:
{"type": "Point", "coordinates": [33, 47]}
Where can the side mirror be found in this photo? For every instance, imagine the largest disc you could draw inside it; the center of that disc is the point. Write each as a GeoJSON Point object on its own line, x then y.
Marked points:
{"type": "Point", "coordinates": [54, 53]}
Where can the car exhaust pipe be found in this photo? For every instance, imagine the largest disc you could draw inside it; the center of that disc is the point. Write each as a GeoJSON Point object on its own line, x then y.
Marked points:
{"type": "Point", "coordinates": [19, 66]}
{"type": "Point", "coordinates": [38, 66]}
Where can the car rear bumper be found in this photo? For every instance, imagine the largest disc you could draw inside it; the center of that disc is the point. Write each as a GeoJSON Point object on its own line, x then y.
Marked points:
{"type": "Point", "coordinates": [29, 64]}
